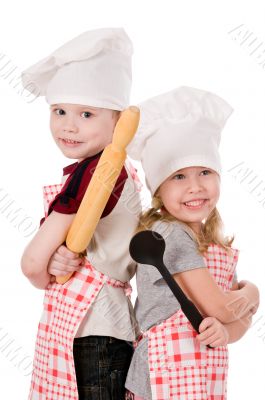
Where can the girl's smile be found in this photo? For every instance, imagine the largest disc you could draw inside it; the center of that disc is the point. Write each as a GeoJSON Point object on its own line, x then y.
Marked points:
{"type": "Point", "coordinates": [195, 204]}
{"type": "Point", "coordinates": [190, 194]}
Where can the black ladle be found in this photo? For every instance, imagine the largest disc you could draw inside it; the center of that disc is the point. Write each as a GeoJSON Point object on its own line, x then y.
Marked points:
{"type": "Point", "coordinates": [148, 247]}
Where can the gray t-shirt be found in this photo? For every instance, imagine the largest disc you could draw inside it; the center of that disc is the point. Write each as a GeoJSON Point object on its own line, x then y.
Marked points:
{"type": "Point", "coordinates": [155, 301]}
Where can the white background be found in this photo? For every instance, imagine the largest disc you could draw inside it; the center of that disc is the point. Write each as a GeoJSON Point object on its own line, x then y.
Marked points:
{"type": "Point", "coordinates": [176, 43]}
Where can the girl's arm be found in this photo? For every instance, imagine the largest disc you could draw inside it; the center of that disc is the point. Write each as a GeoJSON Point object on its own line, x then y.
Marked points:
{"type": "Point", "coordinates": [211, 300]}
{"type": "Point", "coordinates": [237, 329]}
{"type": "Point", "coordinates": [215, 334]}
{"type": "Point", "coordinates": [37, 254]}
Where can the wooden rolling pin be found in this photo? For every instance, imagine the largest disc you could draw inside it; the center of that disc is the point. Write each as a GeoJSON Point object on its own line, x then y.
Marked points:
{"type": "Point", "coordinates": [101, 185]}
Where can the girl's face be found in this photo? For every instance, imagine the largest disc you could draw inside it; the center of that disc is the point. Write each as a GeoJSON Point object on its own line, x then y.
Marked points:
{"type": "Point", "coordinates": [81, 131]}
{"type": "Point", "coordinates": [190, 194]}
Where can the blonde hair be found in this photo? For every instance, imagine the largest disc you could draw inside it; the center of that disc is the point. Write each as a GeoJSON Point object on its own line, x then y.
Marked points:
{"type": "Point", "coordinates": [211, 232]}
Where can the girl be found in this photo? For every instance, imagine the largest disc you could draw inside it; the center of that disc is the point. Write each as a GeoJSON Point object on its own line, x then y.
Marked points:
{"type": "Point", "coordinates": [83, 346]}
{"type": "Point", "coordinates": [177, 144]}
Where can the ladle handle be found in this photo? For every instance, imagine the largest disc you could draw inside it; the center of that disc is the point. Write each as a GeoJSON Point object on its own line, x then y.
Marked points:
{"type": "Point", "coordinates": [188, 308]}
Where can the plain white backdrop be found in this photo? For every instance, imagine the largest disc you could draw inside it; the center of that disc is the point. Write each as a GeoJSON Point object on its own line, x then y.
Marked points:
{"type": "Point", "coordinates": [212, 45]}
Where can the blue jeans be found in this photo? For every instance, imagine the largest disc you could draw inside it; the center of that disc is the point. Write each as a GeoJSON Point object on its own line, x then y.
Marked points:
{"type": "Point", "coordinates": [101, 365]}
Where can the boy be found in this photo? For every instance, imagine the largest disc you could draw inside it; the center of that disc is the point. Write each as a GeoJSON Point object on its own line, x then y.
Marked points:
{"type": "Point", "coordinates": [82, 344]}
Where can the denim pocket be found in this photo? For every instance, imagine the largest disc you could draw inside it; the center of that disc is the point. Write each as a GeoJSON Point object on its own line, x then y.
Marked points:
{"type": "Point", "coordinates": [86, 359]}
{"type": "Point", "coordinates": [89, 392]}
{"type": "Point", "coordinates": [101, 368]}
{"type": "Point", "coordinates": [117, 381]}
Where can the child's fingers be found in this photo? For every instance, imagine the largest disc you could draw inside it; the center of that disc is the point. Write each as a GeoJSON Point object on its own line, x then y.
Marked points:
{"type": "Point", "coordinates": [206, 323]}
{"type": "Point", "coordinates": [241, 284]}
{"type": "Point", "coordinates": [68, 261]}
{"type": "Point", "coordinates": [61, 270]}
{"type": "Point", "coordinates": [58, 272]}
{"type": "Point", "coordinates": [210, 339]}
{"type": "Point", "coordinates": [57, 267]}
{"type": "Point", "coordinates": [215, 342]}
{"type": "Point", "coordinates": [65, 252]}
{"type": "Point", "coordinates": [254, 309]}
{"type": "Point", "coordinates": [205, 335]}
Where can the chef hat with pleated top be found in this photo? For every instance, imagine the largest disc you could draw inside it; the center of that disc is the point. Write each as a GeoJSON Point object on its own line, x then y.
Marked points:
{"type": "Point", "coordinates": [92, 69]}
{"type": "Point", "coordinates": [179, 129]}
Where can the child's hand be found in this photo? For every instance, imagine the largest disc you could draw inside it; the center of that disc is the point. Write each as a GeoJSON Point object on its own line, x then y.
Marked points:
{"type": "Point", "coordinates": [212, 332]}
{"type": "Point", "coordinates": [64, 261]}
{"type": "Point", "coordinates": [253, 295]}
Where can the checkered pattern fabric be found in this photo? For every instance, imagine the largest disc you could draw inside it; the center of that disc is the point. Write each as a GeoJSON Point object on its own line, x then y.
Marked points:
{"type": "Point", "coordinates": [49, 193]}
{"type": "Point", "coordinates": [180, 367]}
{"type": "Point", "coordinates": [133, 172]}
{"type": "Point", "coordinates": [64, 307]}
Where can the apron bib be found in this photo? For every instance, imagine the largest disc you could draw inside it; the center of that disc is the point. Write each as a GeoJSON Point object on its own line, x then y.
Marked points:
{"type": "Point", "coordinates": [64, 307]}
{"type": "Point", "coordinates": [180, 367]}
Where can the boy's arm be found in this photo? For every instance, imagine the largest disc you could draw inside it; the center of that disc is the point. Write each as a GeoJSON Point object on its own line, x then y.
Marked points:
{"type": "Point", "coordinates": [37, 254]}
{"type": "Point", "coordinates": [54, 229]}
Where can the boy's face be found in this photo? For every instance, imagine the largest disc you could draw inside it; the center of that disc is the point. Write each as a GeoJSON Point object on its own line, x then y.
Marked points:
{"type": "Point", "coordinates": [81, 131]}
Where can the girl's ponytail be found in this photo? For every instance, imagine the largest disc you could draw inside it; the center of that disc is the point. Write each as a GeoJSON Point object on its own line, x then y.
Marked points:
{"type": "Point", "coordinates": [212, 232]}
{"type": "Point", "coordinates": [154, 214]}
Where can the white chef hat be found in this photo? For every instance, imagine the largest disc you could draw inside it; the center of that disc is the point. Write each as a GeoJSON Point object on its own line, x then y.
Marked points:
{"type": "Point", "coordinates": [179, 129]}
{"type": "Point", "coordinates": [92, 69]}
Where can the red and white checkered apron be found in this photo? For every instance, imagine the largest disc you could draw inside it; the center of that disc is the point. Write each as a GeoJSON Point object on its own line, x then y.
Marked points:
{"type": "Point", "coordinates": [180, 367]}
{"type": "Point", "coordinates": [65, 306]}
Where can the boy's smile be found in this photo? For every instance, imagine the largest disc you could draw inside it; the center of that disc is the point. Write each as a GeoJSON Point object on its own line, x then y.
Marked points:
{"type": "Point", "coordinates": [81, 131]}
{"type": "Point", "coordinates": [70, 143]}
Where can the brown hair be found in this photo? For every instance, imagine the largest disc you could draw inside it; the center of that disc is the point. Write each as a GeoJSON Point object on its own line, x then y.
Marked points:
{"type": "Point", "coordinates": [211, 232]}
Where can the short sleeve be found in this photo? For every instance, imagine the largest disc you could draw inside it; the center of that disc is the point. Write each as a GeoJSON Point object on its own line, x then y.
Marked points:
{"type": "Point", "coordinates": [72, 193]}
{"type": "Point", "coordinates": [71, 196]}
{"type": "Point", "coordinates": [181, 252]}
